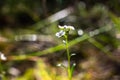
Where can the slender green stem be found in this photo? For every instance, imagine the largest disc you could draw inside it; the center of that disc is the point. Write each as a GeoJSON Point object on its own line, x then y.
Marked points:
{"type": "Point", "coordinates": [0, 67]}
{"type": "Point", "coordinates": [68, 57]}
{"type": "Point", "coordinates": [1, 71]}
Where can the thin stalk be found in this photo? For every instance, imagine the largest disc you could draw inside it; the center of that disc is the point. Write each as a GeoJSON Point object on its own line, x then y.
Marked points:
{"type": "Point", "coordinates": [68, 57]}
{"type": "Point", "coordinates": [0, 67]}
{"type": "Point", "coordinates": [1, 71]}
{"type": "Point", "coordinates": [1, 74]}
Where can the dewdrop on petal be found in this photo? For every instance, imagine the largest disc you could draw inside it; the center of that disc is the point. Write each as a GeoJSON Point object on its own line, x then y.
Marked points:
{"type": "Point", "coordinates": [2, 56]}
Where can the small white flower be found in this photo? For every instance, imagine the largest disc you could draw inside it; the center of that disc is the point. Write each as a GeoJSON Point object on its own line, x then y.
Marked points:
{"type": "Point", "coordinates": [60, 33]}
{"type": "Point", "coordinates": [2, 56]}
{"type": "Point", "coordinates": [59, 65]}
{"type": "Point", "coordinates": [73, 54]}
{"type": "Point", "coordinates": [74, 64]}
{"type": "Point", "coordinates": [64, 41]}
{"type": "Point", "coordinates": [66, 27]}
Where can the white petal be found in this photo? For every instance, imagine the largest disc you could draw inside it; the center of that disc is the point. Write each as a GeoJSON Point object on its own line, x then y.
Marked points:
{"type": "Point", "coordinates": [2, 56]}
{"type": "Point", "coordinates": [71, 27]}
{"type": "Point", "coordinates": [61, 27]}
{"type": "Point", "coordinates": [60, 33]}
{"type": "Point", "coordinates": [57, 34]}
{"type": "Point", "coordinates": [64, 41]}
{"type": "Point", "coordinates": [65, 26]}
{"type": "Point", "coordinates": [73, 54]}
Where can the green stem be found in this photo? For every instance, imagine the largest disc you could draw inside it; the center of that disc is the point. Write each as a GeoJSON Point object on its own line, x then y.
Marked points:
{"type": "Point", "coordinates": [0, 67]}
{"type": "Point", "coordinates": [1, 71]}
{"type": "Point", "coordinates": [1, 74]}
{"type": "Point", "coordinates": [68, 57]}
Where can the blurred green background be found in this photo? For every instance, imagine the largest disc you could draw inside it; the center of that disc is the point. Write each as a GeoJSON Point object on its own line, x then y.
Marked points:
{"type": "Point", "coordinates": [27, 38]}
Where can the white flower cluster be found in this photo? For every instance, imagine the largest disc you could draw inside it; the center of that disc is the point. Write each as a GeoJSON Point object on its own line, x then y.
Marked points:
{"type": "Point", "coordinates": [63, 30]}
{"type": "Point", "coordinates": [2, 56]}
{"type": "Point", "coordinates": [66, 27]}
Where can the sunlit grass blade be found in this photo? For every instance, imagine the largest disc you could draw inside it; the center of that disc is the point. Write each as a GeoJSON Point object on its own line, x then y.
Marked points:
{"type": "Point", "coordinates": [102, 48]}
{"type": "Point", "coordinates": [99, 45]}
{"type": "Point", "coordinates": [27, 76]}
{"type": "Point", "coordinates": [72, 68]}
{"type": "Point", "coordinates": [41, 72]}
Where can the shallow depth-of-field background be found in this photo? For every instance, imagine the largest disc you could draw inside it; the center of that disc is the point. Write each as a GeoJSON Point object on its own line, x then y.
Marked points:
{"type": "Point", "coordinates": [27, 39]}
